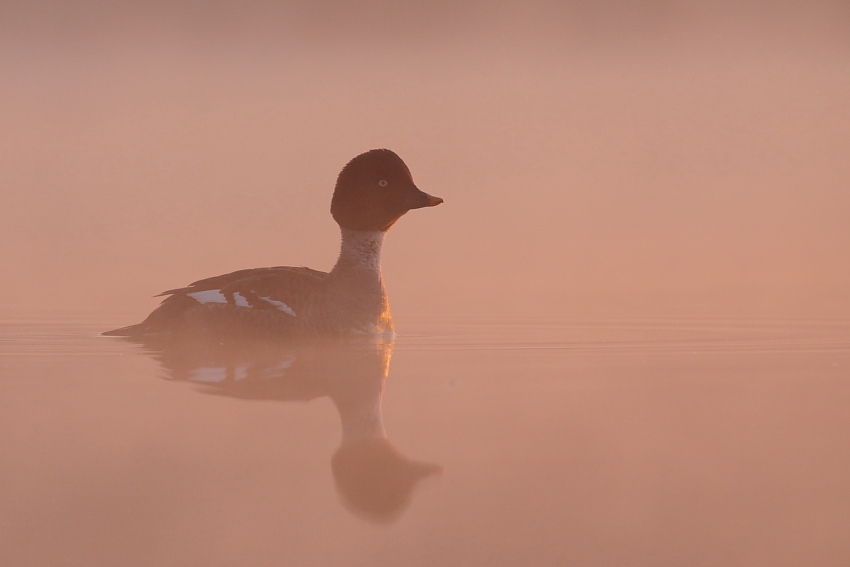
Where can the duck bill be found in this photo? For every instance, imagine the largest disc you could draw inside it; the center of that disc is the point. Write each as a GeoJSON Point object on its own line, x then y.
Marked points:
{"type": "Point", "coordinates": [421, 199]}
{"type": "Point", "coordinates": [433, 201]}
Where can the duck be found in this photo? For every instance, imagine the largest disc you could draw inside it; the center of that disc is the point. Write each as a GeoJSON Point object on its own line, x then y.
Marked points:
{"type": "Point", "coordinates": [372, 192]}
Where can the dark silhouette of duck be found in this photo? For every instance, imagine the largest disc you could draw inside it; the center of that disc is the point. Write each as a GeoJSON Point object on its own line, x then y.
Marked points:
{"type": "Point", "coordinates": [372, 192]}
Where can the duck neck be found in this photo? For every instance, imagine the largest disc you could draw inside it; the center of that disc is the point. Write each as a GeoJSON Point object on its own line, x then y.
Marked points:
{"type": "Point", "coordinates": [356, 284]}
{"type": "Point", "coordinates": [360, 254]}
{"type": "Point", "coordinates": [361, 419]}
{"type": "Point", "coordinates": [356, 279]}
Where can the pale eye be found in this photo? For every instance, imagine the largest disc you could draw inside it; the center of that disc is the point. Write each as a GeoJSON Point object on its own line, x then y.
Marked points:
{"type": "Point", "coordinates": [383, 183]}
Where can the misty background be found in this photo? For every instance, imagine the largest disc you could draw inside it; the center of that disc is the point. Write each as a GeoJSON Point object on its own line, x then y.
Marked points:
{"type": "Point", "coordinates": [597, 158]}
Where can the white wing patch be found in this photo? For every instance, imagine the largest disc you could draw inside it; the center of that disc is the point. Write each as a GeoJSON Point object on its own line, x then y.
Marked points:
{"type": "Point", "coordinates": [215, 296]}
{"type": "Point", "coordinates": [280, 305]}
{"type": "Point", "coordinates": [208, 296]}
{"type": "Point", "coordinates": [241, 371]}
{"type": "Point", "coordinates": [278, 369]}
{"type": "Point", "coordinates": [215, 374]}
{"type": "Point", "coordinates": [211, 374]}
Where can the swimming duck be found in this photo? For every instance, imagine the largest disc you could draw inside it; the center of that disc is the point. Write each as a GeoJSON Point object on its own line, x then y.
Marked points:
{"type": "Point", "coordinates": [372, 192]}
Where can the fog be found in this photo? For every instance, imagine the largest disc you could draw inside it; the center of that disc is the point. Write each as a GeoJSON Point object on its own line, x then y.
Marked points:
{"type": "Point", "coordinates": [597, 159]}
{"type": "Point", "coordinates": [622, 339]}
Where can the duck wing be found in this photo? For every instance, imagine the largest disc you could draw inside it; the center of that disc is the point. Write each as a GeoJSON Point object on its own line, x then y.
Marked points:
{"type": "Point", "coordinates": [269, 298]}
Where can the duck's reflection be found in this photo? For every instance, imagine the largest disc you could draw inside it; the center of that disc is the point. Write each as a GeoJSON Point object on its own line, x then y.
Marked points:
{"type": "Point", "coordinates": [374, 480]}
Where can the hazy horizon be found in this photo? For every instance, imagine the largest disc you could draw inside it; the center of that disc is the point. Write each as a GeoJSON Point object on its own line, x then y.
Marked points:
{"type": "Point", "coordinates": [597, 159]}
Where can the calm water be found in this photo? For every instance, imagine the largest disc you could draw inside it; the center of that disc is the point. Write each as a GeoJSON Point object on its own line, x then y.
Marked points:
{"type": "Point", "coordinates": [636, 442]}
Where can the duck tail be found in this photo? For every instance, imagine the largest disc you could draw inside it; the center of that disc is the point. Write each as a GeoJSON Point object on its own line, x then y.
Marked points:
{"type": "Point", "coordinates": [128, 331]}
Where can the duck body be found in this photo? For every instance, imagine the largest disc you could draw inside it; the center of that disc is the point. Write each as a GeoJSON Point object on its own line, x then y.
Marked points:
{"type": "Point", "coordinates": [372, 192]}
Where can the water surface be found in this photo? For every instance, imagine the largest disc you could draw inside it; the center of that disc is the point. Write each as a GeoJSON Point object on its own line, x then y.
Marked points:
{"type": "Point", "coordinates": [462, 442]}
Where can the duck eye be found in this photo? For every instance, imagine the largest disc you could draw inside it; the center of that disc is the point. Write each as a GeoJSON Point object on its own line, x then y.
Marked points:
{"type": "Point", "coordinates": [383, 183]}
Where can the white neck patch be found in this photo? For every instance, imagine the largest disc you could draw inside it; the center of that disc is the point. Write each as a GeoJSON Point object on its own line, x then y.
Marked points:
{"type": "Point", "coordinates": [362, 249]}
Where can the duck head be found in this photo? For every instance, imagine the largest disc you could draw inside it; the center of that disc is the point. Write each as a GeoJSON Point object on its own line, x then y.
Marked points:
{"type": "Point", "coordinates": [374, 190]}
